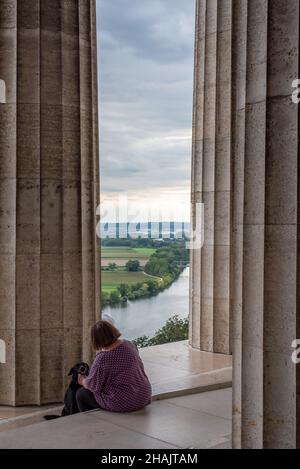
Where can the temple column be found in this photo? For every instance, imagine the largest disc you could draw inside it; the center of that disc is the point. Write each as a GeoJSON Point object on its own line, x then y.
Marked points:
{"type": "Point", "coordinates": [211, 181]}
{"type": "Point", "coordinates": [266, 400]}
{"type": "Point", "coordinates": [239, 58]}
{"type": "Point", "coordinates": [49, 191]}
{"type": "Point", "coordinates": [246, 151]}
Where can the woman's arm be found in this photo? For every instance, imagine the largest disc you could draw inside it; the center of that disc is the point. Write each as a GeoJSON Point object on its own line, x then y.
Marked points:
{"type": "Point", "coordinates": [82, 381]}
{"type": "Point", "coordinates": [94, 381]}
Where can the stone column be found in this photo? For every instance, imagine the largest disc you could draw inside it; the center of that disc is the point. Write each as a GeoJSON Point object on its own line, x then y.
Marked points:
{"type": "Point", "coordinates": [251, 249]}
{"type": "Point", "coordinates": [211, 181]}
{"type": "Point", "coordinates": [265, 264]}
{"type": "Point", "coordinates": [239, 58]}
{"type": "Point", "coordinates": [49, 191]}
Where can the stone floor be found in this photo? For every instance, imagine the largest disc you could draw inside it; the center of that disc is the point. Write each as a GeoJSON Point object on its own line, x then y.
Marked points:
{"type": "Point", "coordinates": [179, 369]}
{"type": "Point", "coordinates": [174, 370]}
{"type": "Point", "coordinates": [199, 421]}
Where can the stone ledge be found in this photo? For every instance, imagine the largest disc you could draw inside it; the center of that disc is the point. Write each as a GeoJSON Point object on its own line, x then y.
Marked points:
{"type": "Point", "coordinates": [174, 370]}
{"type": "Point", "coordinates": [200, 421]}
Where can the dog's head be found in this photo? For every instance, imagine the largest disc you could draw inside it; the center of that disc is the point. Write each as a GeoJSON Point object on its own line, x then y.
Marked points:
{"type": "Point", "coordinates": [79, 369]}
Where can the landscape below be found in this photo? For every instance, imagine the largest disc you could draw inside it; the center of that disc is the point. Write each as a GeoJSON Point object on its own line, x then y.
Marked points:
{"type": "Point", "coordinates": [140, 269]}
{"type": "Point", "coordinates": [135, 269]}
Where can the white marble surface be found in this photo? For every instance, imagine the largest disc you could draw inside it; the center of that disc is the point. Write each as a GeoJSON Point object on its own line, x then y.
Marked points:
{"type": "Point", "coordinates": [174, 370]}
{"type": "Point", "coordinates": [199, 421]}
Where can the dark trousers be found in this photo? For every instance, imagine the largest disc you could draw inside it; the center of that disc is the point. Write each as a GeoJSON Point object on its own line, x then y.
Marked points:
{"type": "Point", "coordinates": [86, 401]}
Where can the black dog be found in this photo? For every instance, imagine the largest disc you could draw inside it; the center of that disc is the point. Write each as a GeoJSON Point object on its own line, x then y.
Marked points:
{"type": "Point", "coordinates": [70, 403]}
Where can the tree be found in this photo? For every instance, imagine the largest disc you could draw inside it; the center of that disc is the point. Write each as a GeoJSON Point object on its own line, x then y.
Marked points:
{"type": "Point", "coordinates": [133, 266]}
{"type": "Point", "coordinates": [105, 298]}
{"type": "Point", "coordinates": [157, 267]}
{"type": "Point", "coordinates": [124, 290]}
{"type": "Point", "coordinates": [115, 297]}
{"type": "Point", "coordinates": [142, 342]}
{"type": "Point", "coordinates": [168, 260]}
{"type": "Point", "coordinates": [175, 330]}
{"type": "Point", "coordinates": [112, 267]}
{"type": "Point", "coordinates": [152, 288]}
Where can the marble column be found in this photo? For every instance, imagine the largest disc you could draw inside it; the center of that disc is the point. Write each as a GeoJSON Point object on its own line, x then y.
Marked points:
{"type": "Point", "coordinates": [239, 58]}
{"type": "Point", "coordinates": [258, 263]}
{"type": "Point", "coordinates": [49, 191]}
{"type": "Point", "coordinates": [265, 378]}
{"type": "Point", "coordinates": [211, 179]}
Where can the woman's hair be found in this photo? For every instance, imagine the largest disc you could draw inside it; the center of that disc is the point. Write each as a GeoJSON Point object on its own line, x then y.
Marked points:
{"type": "Point", "coordinates": [104, 334]}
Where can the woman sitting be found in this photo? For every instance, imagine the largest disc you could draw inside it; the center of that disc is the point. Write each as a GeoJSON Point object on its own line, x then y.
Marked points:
{"type": "Point", "coordinates": [117, 381]}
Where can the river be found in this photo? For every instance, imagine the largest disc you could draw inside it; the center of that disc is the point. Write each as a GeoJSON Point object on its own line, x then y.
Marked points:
{"type": "Point", "coordinates": [146, 316]}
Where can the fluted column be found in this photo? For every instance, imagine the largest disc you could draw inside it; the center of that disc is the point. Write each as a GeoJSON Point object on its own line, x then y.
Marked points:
{"type": "Point", "coordinates": [251, 248]}
{"type": "Point", "coordinates": [239, 60]}
{"type": "Point", "coordinates": [211, 181]}
{"type": "Point", "coordinates": [49, 191]}
{"type": "Point", "coordinates": [265, 261]}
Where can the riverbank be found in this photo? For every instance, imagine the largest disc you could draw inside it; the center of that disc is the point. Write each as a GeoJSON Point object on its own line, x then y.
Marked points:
{"type": "Point", "coordinates": [133, 286]}
{"type": "Point", "coordinates": [129, 283]}
{"type": "Point", "coordinates": [148, 315]}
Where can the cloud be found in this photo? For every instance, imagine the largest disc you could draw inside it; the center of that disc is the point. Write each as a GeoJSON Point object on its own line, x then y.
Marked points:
{"type": "Point", "coordinates": [146, 80]}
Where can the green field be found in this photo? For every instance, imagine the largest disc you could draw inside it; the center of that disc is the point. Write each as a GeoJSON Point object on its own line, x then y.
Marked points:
{"type": "Point", "coordinates": [126, 253]}
{"type": "Point", "coordinates": [111, 280]}
{"type": "Point", "coordinates": [147, 252]}
{"type": "Point", "coordinates": [121, 255]}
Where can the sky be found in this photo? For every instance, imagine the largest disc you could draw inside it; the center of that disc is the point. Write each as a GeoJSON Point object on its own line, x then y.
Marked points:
{"type": "Point", "coordinates": [146, 55]}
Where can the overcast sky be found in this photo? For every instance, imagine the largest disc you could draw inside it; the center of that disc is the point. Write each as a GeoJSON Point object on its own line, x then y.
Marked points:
{"type": "Point", "coordinates": [146, 78]}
